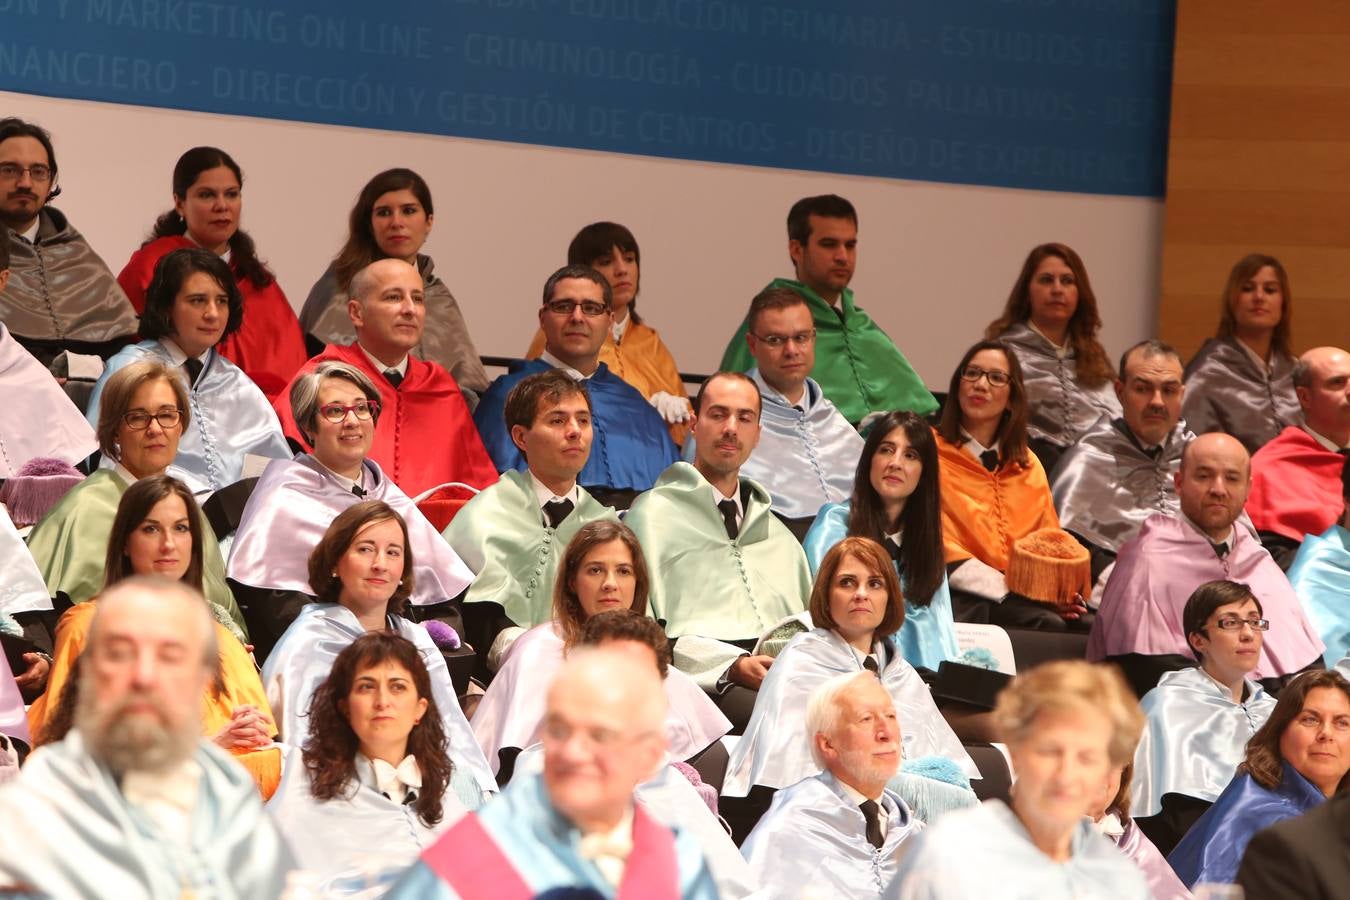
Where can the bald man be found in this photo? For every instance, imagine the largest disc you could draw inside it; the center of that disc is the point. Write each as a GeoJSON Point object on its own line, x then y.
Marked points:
{"type": "Point", "coordinates": [425, 435]}
{"type": "Point", "coordinates": [1297, 478]}
{"type": "Point", "coordinates": [134, 803]}
{"type": "Point", "coordinates": [1139, 623]}
{"type": "Point", "coordinates": [576, 826]}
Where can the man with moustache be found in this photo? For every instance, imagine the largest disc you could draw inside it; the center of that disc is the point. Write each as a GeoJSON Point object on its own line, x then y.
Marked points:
{"type": "Point", "coordinates": [1139, 625]}
{"type": "Point", "coordinates": [134, 803]}
{"type": "Point", "coordinates": [513, 534]}
{"type": "Point", "coordinates": [61, 295]}
{"type": "Point", "coordinates": [1297, 477]}
{"type": "Point", "coordinates": [807, 450]}
{"type": "Point", "coordinates": [840, 833]}
{"type": "Point", "coordinates": [575, 830]}
{"type": "Point", "coordinates": [724, 569]}
{"type": "Point", "coordinates": [1123, 469]}
{"type": "Point", "coordinates": [424, 436]}
{"type": "Point", "coordinates": [631, 445]}
{"type": "Point", "coordinates": [858, 366]}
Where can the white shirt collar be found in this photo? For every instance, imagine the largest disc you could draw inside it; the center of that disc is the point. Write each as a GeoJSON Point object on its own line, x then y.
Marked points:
{"type": "Point", "coordinates": [1323, 439]}
{"type": "Point", "coordinates": [401, 368]}
{"type": "Point", "coordinates": [178, 355]}
{"type": "Point", "coordinates": [225, 256]}
{"type": "Point", "coordinates": [544, 494]}
{"type": "Point", "coordinates": [167, 799]}
{"type": "Point", "coordinates": [734, 498]}
{"type": "Point", "coordinates": [395, 782]}
{"type": "Point", "coordinates": [31, 234]}
{"type": "Point", "coordinates": [609, 850]}
{"type": "Point", "coordinates": [346, 483]}
{"type": "Point", "coordinates": [1061, 350]}
{"type": "Point", "coordinates": [1232, 532]}
{"type": "Point", "coordinates": [857, 798]}
{"type": "Point", "coordinates": [124, 473]}
{"type": "Point", "coordinates": [974, 447]}
{"type": "Point", "coordinates": [556, 363]}
{"type": "Point", "coordinates": [619, 329]}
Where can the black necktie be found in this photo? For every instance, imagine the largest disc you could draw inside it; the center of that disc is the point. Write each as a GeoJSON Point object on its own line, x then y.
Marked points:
{"type": "Point", "coordinates": [394, 377]}
{"type": "Point", "coordinates": [557, 510]}
{"type": "Point", "coordinates": [893, 548]}
{"type": "Point", "coordinates": [870, 663]}
{"type": "Point", "coordinates": [358, 490]}
{"type": "Point", "coordinates": [1221, 550]}
{"type": "Point", "coordinates": [728, 508]}
{"type": "Point", "coordinates": [194, 369]}
{"type": "Point", "coordinates": [1155, 452]}
{"type": "Point", "coordinates": [989, 459]}
{"type": "Point", "coordinates": [872, 813]}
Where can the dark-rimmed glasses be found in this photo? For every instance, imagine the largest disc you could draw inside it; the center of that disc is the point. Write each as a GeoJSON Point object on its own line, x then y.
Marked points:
{"type": "Point", "coordinates": [589, 308]}
{"type": "Point", "coordinates": [139, 419]}
{"type": "Point", "coordinates": [995, 377]}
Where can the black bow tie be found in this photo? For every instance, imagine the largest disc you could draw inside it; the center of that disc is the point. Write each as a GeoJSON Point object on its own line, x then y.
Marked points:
{"type": "Point", "coordinates": [557, 510]}
{"type": "Point", "coordinates": [989, 459]}
{"type": "Point", "coordinates": [358, 490]}
{"type": "Point", "coordinates": [870, 664]}
{"type": "Point", "coordinates": [394, 377]}
{"type": "Point", "coordinates": [728, 508]}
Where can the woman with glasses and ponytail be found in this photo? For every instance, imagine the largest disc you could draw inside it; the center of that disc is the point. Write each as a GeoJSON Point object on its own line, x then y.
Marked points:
{"type": "Point", "coordinates": [335, 407]}
{"type": "Point", "coordinates": [994, 491]}
{"type": "Point", "coordinates": [142, 413]}
{"type": "Point", "coordinates": [1198, 721]}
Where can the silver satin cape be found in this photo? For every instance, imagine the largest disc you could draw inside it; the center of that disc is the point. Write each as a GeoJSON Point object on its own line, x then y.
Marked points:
{"type": "Point", "coordinates": [775, 750]}
{"type": "Point", "coordinates": [445, 338]}
{"type": "Point", "coordinates": [985, 852]}
{"type": "Point", "coordinates": [292, 506]}
{"type": "Point", "coordinates": [510, 713]}
{"type": "Point", "coordinates": [356, 835]}
{"type": "Point", "coordinates": [1061, 409]}
{"type": "Point", "coordinates": [69, 833]}
{"type": "Point", "coordinates": [23, 588]}
{"type": "Point", "coordinates": [303, 659]}
{"type": "Point", "coordinates": [59, 288]}
{"type": "Point", "coordinates": [1194, 737]}
{"type": "Point", "coordinates": [1105, 485]}
{"type": "Point", "coordinates": [231, 417]}
{"type": "Point", "coordinates": [1226, 391]}
{"type": "Point", "coordinates": [37, 418]}
{"type": "Point", "coordinates": [805, 457]}
{"type": "Point", "coordinates": [812, 843]}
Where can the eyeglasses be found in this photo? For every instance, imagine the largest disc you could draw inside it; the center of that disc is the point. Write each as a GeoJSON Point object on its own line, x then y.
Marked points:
{"type": "Point", "coordinates": [139, 419]}
{"type": "Point", "coordinates": [13, 172]}
{"type": "Point", "coordinates": [1235, 623]}
{"type": "Point", "coordinates": [589, 308]}
{"type": "Point", "coordinates": [778, 341]}
{"type": "Point", "coordinates": [337, 413]}
{"type": "Point", "coordinates": [597, 738]}
{"type": "Point", "coordinates": [996, 377]}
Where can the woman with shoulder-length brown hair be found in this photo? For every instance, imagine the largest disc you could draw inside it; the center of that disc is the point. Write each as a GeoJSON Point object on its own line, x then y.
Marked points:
{"type": "Point", "coordinates": [1298, 759]}
{"type": "Point", "coordinates": [1051, 322]}
{"type": "Point", "coordinates": [857, 608]}
{"type": "Point", "coordinates": [362, 574]}
{"type": "Point", "coordinates": [364, 787]}
{"type": "Point", "coordinates": [1241, 382]}
{"type": "Point", "coordinates": [602, 569]}
{"type": "Point", "coordinates": [994, 490]}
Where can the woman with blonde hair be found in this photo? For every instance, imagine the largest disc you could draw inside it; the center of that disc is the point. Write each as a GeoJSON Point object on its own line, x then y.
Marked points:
{"type": "Point", "coordinates": [1067, 726]}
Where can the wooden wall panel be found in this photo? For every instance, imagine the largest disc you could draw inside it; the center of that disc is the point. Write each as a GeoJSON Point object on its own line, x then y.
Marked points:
{"type": "Point", "coordinates": [1259, 160]}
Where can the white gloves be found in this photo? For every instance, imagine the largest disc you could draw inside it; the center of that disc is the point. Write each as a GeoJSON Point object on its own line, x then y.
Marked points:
{"type": "Point", "coordinates": [673, 409]}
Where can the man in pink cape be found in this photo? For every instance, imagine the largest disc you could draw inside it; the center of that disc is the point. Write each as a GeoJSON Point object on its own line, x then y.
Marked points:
{"type": "Point", "coordinates": [1139, 623]}
{"type": "Point", "coordinates": [576, 827]}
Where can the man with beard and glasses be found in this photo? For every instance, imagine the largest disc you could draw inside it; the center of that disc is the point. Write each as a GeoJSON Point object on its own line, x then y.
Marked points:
{"type": "Point", "coordinates": [840, 833]}
{"type": "Point", "coordinates": [61, 295]}
{"type": "Point", "coordinates": [134, 803]}
{"type": "Point", "coordinates": [724, 569]}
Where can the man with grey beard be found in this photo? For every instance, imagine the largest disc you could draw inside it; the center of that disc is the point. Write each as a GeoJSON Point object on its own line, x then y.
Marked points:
{"type": "Point", "coordinates": [133, 803]}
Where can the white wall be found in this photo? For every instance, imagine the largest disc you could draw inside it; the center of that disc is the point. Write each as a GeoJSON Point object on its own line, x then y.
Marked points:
{"type": "Point", "coordinates": [935, 261]}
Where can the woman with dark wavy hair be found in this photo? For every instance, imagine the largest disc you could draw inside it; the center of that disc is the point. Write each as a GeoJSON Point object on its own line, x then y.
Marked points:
{"type": "Point", "coordinates": [1241, 382]}
{"type": "Point", "coordinates": [362, 574]}
{"type": "Point", "coordinates": [897, 503]}
{"type": "Point", "coordinates": [372, 784]}
{"type": "Point", "coordinates": [994, 490]}
{"type": "Point", "coordinates": [1298, 759]}
{"type": "Point", "coordinates": [1051, 322]}
{"type": "Point", "coordinates": [192, 306]}
{"type": "Point", "coordinates": [602, 569]}
{"type": "Point", "coordinates": [208, 190]}
{"type": "Point", "coordinates": [392, 218]}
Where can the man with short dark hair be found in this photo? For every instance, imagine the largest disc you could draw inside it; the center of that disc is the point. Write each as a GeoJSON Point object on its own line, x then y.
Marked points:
{"type": "Point", "coordinates": [858, 366]}
{"type": "Point", "coordinates": [133, 802]}
{"type": "Point", "coordinates": [1297, 477]}
{"type": "Point", "coordinates": [807, 450]}
{"type": "Point", "coordinates": [424, 436]}
{"type": "Point", "coordinates": [61, 295]}
{"type": "Point", "coordinates": [631, 444]}
{"type": "Point", "coordinates": [513, 534]}
{"type": "Point", "coordinates": [724, 569]}
{"type": "Point", "coordinates": [1139, 623]}
{"type": "Point", "coordinates": [1122, 470]}
{"type": "Point", "coordinates": [840, 833]}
